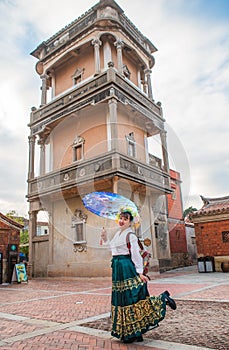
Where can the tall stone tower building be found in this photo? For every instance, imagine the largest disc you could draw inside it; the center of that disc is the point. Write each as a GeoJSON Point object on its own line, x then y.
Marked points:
{"type": "Point", "coordinates": [91, 133]}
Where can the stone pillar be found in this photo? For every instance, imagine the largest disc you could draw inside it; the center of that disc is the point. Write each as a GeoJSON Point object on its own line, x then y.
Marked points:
{"type": "Point", "coordinates": [32, 233]}
{"type": "Point", "coordinates": [41, 142]}
{"type": "Point", "coordinates": [164, 150]}
{"type": "Point", "coordinates": [145, 87]}
{"type": "Point", "coordinates": [152, 229]}
{"type": "Point", "coordinates": [44, 78]}
{"type": "Point", "coordinates": [119, 45]}
{"type": "Point", "coordinates": [115, 184]}
{"type": "Point", "coordinates": [112, 104]}
{"type": "Point", "coordinates": [96, 43]}
{"type": "Point", "coordinates": [148, 81]}
{"type": "Point", "coordinates": [32, 140]}
{"type": "Point", "coordinates": [51, 234]}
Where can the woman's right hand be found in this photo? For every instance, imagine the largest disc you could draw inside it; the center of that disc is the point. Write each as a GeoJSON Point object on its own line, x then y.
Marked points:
{"type": "Point", "coordinates": [103, 235]}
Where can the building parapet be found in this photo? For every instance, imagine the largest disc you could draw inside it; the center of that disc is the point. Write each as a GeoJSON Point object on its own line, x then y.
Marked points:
{"type": "Point", "coordinates": [108, 165]}
{"type": "Point", "coordinates": [94, 91]}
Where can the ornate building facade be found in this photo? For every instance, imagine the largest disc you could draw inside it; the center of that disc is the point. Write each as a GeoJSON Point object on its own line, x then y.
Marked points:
{"type": "Point", "coordinates": [91, 133]}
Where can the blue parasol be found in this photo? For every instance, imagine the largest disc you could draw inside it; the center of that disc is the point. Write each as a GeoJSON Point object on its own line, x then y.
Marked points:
{"type": "Point", "coordinates": [108, 205]}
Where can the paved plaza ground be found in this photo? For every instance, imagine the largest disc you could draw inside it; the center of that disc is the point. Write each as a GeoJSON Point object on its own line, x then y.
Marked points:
{"type": "Point", "coordinates": [73, 313]}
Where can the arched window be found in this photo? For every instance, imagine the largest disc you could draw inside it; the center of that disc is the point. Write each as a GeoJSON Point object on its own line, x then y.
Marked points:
{"type": "Point", "coordinates": [78, 148]}
{"type": "Point", "coordinates": [131, 145]}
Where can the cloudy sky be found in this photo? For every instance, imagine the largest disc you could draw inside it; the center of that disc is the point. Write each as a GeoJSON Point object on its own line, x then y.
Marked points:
{"type": "Point", "coordinates": [190, 78]}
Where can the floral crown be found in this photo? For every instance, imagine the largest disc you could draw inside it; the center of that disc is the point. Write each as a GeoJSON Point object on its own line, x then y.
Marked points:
{"type": "Point", "coordinates": [132, 211]}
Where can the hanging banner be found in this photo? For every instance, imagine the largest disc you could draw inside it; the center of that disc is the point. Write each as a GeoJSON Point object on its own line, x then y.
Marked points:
{"type": "Point", "coordinates": [19, 273]}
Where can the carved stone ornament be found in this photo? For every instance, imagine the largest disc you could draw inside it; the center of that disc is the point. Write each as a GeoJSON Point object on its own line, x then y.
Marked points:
{"type": "Point", "coordinates": [79, 216]}
{"type": "Point", "coordinates": [78, 140]}
{"type": "Point", "coordinates": [78, 73]}
{"type": "Point", "coordinates": [66, 177]}
{"type": "Point", "coordinates": [80, 247]}
{"type": "Point", "coordinates": [82, 172]}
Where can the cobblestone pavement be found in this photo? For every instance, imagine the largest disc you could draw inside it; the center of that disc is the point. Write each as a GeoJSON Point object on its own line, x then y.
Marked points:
{"type": "Point", "coordinates": [184, 325]}
{"type": "Point", "coordinates": [74, 314]}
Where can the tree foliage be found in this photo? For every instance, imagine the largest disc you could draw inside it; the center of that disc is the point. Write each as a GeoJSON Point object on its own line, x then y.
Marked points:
{"type": "Point", "coordinates": [24, 234]}
{"type": "Point", "coordinates": [188, 211]}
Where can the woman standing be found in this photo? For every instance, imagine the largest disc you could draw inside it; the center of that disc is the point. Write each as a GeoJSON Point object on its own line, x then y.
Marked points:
{"type": "Point", "coordinates": [133, 311]}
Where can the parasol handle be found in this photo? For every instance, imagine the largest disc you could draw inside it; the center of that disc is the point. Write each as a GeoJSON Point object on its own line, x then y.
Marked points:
{"type": "Point", "coordinates": [103, 233]}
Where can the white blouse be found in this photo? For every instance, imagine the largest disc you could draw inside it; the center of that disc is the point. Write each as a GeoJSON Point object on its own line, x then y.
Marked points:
{"type": "Point", "coordinates": [118, 246]}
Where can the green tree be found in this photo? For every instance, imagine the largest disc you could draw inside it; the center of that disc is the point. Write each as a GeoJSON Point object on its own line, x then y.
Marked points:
{"type": "Point", "coordinates": [24, 234]}
{"type": "Point", "coordinates": [24, 242]}
{"type": "Point", "coordinates": [188, 211]}
{"type": "Point", "coordinates": [12, 214]}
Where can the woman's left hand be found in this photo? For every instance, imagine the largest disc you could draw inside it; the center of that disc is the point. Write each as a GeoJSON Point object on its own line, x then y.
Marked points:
{"type": "Point", "coordinates": [143, 278]}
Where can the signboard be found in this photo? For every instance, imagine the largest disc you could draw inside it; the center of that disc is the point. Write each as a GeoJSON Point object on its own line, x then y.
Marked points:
{"type": "Point", "coordinates": [19, 273]}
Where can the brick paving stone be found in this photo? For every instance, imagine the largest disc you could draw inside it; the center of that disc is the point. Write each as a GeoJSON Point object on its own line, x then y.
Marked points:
{"type": "Point", "coordinates": [39, 313]}
{"type": "Point", "coordinates": [193, 323]}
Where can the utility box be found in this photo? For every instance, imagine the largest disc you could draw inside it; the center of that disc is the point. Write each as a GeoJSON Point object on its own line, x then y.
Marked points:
{"type": "Point", "coordinates": [201, 265]}
{"type": "Point", "coordinates": [206, 264]}
{"type": "Point", "coordinates": [209, 264]}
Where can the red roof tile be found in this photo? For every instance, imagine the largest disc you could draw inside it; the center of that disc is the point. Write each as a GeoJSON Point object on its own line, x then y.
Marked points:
{"type": "Point", "coordinates": [213, 206]}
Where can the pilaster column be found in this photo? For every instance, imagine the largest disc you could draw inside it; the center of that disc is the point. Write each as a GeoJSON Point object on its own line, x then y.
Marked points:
{"type": "Point", "coordinates": [41, 142]}
{"type": "Point", "coordinates": [164, 150]}
{"type": "Point", "coordinates": [44, 78]}
{"type": "Point", "coordinates": [119, 45]}
{"type": "Point", "coordinates": [144, 85]}
{"type": "Point", "coordinates": [51, 233]}
{"type": "Point", "coordinates": [148, 81]}
{"type": "Point", "coordinates": [32, 233]}
{"type": "Point", "coordinates": [96, 43]}
{"type": "Point", "coordinates": [112, 105]}
{"type": "Point", "coordinates": [115, 184]}
{"type": "Point", "coordinates": [32, 140]}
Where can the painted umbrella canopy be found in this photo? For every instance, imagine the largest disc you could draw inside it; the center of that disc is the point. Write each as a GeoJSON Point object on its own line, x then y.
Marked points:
{"type": "Point", "coordinates": [108, 204]}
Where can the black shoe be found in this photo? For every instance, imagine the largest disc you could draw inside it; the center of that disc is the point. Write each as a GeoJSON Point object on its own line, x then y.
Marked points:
{"type": "Point", "coordinates": [169, 301]}
{"type": "Point", "coordinates": [139, 338]}
{"type": "Point", "coordinates": [127, 341]}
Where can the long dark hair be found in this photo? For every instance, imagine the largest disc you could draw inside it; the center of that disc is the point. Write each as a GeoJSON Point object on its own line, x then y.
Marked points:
{"type": "Point", "coordinates": [127, 214]}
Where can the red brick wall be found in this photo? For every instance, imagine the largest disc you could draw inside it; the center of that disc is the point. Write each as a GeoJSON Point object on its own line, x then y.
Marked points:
{"type": "Point", "coordinates": [175, 207]}
{"type": "Point", "coordinates": [177, 237]}
{"type": "Point", "coordinates": [209, 238]}
{"type": "Point", "coordinates": [8, 235]}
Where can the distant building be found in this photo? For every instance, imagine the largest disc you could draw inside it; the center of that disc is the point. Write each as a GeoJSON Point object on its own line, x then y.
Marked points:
{"type": "Point", "coordinates": [182, 246]}
{"type": "Point", "coordinates": [191, 240]}
{"type": "Point", "coordinates": [9, 246]}
{"type": "Point", "coordinates": [42, 228]}
{"type": "Point", "coordinates": [211, 224]}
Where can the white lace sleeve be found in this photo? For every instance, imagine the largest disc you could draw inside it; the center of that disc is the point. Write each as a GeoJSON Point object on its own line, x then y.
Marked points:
{"type": "Point", "coordinates": [135, 254]}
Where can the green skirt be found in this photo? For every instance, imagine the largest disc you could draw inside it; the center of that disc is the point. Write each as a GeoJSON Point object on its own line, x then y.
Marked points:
{"type": "Point", "coordinates": [133, 310]}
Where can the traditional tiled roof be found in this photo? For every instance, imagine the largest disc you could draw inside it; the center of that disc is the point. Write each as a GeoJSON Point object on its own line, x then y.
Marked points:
{"type": "Point", "coordinates": [212, 206]}
{"type": "Point", "coordinates": [10, 222]}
